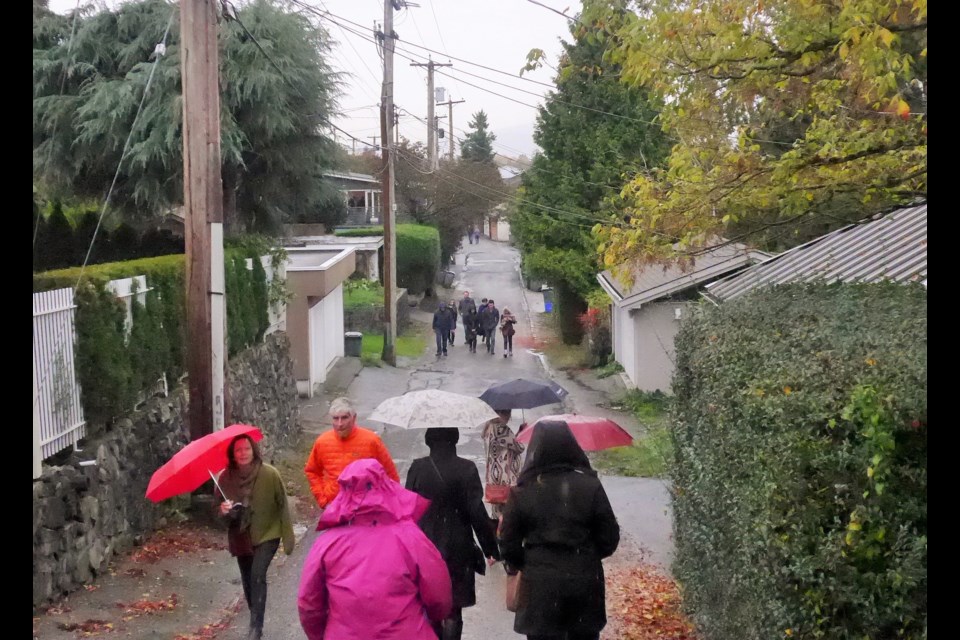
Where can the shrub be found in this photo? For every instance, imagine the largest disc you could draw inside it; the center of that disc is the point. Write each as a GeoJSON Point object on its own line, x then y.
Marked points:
{"type": "Point", "coordinates": [113, 368]}
{"type": "Point", "coordinates": [418, 253]}
{"type": "Point", "coordinates": [800, 471]}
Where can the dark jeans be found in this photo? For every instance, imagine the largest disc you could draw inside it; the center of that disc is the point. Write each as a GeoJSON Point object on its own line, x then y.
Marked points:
{"type": "Point", "coordinates": [508, 343]}
{"type": "Point", "coordinates": [453, 334]}
{"type": "Point", "coordinates": [568, 636]}
{"type": "Point", "coordinates": [441, 341]}
{"type": "Point", "coordinates": [253, 574]}
{"type": "Point", "coordinates": [491, 340]}
{"type": "Point", "coordinates": [451, 627]}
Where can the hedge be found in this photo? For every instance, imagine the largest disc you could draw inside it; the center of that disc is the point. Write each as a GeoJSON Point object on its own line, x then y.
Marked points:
{"type": "Point", "coordinates": [115, 369]}
{"type": "Point", "coordinates": [418, 253]}
{"type": "Point", "coordinates": [799, 428]}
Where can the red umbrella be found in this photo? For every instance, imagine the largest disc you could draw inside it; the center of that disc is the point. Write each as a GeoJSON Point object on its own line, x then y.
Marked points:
{"type": "Point", "coordinates": [191, 466]}
{"type": "Point", "coordinates": [592, 433]}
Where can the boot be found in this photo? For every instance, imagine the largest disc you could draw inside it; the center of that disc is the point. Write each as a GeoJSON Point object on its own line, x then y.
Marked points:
{"type": "Point", "coordinates": [452, 629]}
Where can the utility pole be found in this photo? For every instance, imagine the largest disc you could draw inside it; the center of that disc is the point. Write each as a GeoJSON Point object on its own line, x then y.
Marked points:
{"type": "Point", "coordinates": [389, 354]}
{"type": "Point", "coordinates": [436, 138]}
{"type": "Point", "coordinates": [396, 129]}
{"type": "Point", "coordinates": [203, 211]}
{"type": "Point", "coordinates": [431, 129]}
{"type": "Point", "coordinates": [450, 103]}
{"type": "Point", "coordinates": [374, 138]}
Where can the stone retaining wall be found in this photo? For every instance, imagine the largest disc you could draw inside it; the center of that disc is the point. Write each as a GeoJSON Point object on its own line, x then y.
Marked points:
{"type": "Point", "coordinates": [84, 514]}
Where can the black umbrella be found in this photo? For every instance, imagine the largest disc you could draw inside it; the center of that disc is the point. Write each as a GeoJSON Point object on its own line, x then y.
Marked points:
{"type": "Point", "coordinates": [523, 394]}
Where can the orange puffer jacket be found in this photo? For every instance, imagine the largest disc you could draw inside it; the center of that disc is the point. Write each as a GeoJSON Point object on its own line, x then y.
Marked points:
{"type": "Point", "coordinates": [330, 455]}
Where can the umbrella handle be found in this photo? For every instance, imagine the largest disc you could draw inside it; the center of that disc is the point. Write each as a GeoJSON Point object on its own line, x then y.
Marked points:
{"type": "Point", "coordinates": [217, 484]}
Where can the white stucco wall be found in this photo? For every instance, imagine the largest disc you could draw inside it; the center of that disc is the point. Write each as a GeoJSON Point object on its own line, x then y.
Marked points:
{"type": "Point", "coordinates": [326, 336]}
{"type": "Point", "coordinates": [645, 345]}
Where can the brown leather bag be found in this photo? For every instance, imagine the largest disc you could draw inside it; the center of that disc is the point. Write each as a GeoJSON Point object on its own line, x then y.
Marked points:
{"type": "Point", "coordinates": [239, 541]}
{"type": "Point", "coordinates": [513, 591]}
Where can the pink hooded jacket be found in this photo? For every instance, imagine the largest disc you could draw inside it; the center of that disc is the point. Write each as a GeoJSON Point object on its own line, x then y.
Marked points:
{"type": "Point", "coordinates": [372, 573]}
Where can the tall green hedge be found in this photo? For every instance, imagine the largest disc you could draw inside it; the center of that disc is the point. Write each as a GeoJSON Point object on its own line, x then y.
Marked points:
{"type": "Point", "coordinates": [113, 367]}
{"type": "Point", "coordinates": [800, 474]}
{"type": "Point", "coordinates": [418, 253]}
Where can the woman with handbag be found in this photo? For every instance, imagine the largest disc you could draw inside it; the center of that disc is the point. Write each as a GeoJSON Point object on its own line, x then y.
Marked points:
{"type": "Point", "coordinates": [456, 514]}
{"type": "Point", "coordinates": [255, 504]}
{"type": "Point", "coordinates": [507, 329]}
{"type": "Point", "coordinates": [557, 527]}
{"type": "Point", "coordinates": [503, 460]}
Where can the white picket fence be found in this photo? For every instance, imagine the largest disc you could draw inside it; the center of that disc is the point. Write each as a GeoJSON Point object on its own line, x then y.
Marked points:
{"type": "Point", "coordinates": [58, 421]}
{"type": "Point", "coordinates": [57, 413]}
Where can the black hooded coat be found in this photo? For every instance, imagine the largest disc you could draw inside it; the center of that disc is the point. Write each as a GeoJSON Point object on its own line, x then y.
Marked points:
{"type": "Point", "coordinates": [456, 512]}
{"type": "Point", "coordinates": [557, 526]}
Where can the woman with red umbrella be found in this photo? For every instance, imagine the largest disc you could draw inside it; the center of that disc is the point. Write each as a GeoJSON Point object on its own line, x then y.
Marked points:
{"type": "Point", "coordinates": [255, 503]}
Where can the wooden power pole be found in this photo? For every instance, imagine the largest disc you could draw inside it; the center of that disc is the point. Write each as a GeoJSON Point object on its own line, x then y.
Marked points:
{"type": "Point", "coordinates": [449, 104]}
{"type": "Point", "coordinates": [389, 354]}
{"type": "Point", "coordinates": [203, 211]}
{"type": "Point", "coordinates": [432, 162]}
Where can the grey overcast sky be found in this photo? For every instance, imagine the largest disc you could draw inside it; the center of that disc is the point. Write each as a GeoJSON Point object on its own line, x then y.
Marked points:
{"type": "Point", "coordinates": [494, 33]}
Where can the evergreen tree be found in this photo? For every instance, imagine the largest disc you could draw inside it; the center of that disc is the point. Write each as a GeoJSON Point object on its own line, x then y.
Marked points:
{"type": "Point", "coordinates": [272, 152]}
{"type": "Point", "coordinates": [585, 155]}
{"type": "Point", "coordinates": [478, 143]}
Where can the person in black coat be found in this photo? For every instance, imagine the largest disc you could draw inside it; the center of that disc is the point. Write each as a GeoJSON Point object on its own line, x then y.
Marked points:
{"type": "Point", "coordinates": [442, 326]}
{"type": "Point", "coordinates": [557, 526]}
{"type": "Point", "coordinates": [470, 322]}
{"type": "Point", "coordinates": [456, 513]}
{"type": "Point", "coordinates": [489, 321]}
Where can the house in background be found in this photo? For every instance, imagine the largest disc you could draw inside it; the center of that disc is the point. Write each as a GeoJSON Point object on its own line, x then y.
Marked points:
{"type": "Point", "coordinates": [887, 247]}
{"type": "Point", "coordinates": [315, 312]}
{"type": "Point", "coordinates": [361, 191]}
{"type": "Point", "coordinates": [368, 249]}
{"type": "Point", "coordinates": [495, 224]}
{"type": "Point", "coordinates": [645, 317]}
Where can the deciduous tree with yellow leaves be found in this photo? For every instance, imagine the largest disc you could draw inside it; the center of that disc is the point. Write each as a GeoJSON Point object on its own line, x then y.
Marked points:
{"type": "Point", "coordinates": [781, 112]}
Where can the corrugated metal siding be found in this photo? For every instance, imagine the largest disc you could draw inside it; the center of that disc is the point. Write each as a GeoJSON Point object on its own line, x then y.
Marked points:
{"type": "Point", "coordinates": [659, 275]}
{"type": "Point", "coordinates": [893, 247]}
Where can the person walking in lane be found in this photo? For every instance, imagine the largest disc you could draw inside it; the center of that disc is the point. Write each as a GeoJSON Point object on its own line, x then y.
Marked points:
{"type": "Point", "coordinates": [480, 312]}
{"type": "Point", "coordinates": [557, 527]}
{"type": "Point", "coordinates": [255, 505]}
{"type": "Point", "coordinates": [470, 322]}
{"type": "Point", "coordinates": [452, 307]}
{"type": "Point", "coordinates": [489, 320]}
{"type": "Point", "coordinates": [507, 322]}
{"type": "Point", "coordinates": [456, 514]}
{"type": "Point", "coordinates": [442, 327]}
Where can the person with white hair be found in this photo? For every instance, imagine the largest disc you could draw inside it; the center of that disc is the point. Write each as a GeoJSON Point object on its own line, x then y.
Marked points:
{"type": "Point", "coordinates": [335, 449]}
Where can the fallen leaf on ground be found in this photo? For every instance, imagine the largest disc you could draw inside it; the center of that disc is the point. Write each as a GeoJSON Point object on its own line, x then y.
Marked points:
{"type": "Point", "coordinates": [647, 605]}
{"type": "Point", "coordinates": [177, 541]}
{"type": "Point", "coordinates": [87, 627]}
{"type": "Point", "coordinates": [148, 606]}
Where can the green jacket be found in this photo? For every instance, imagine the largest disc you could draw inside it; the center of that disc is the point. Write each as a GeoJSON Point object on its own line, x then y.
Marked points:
{"type": "Point", "coordinates": [269, 512]}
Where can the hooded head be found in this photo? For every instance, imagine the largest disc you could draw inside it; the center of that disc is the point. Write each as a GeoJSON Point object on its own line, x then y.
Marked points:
{"type": "Point", "coordinates": [553, 448]}
{"type": "Point", "coordinates": [442, 441]}
{"type": "Point", "coordinates": [368, 496]}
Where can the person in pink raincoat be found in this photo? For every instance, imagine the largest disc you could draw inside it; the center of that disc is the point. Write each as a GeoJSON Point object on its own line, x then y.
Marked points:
{"type": "Point", "coordinates": [373, 573]}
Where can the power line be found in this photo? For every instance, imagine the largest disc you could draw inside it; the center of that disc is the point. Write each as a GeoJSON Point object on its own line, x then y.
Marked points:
{"type": "Point", "coordinates": [332, 16]}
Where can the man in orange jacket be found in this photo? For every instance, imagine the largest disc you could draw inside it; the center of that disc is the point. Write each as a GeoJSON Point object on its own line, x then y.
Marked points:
{"type": "Point", "coordinates": [335, 449]}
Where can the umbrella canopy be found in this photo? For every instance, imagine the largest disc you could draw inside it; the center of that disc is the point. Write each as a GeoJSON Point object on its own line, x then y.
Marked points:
{"type": "Point", "coordinates": [523, 394]}
{"type": "Point", "coordinates": [432, 408]}
{"type": "Point", "coordinates": [191, 466]}
{"type": "Point", "coordinates": [592, 433]}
